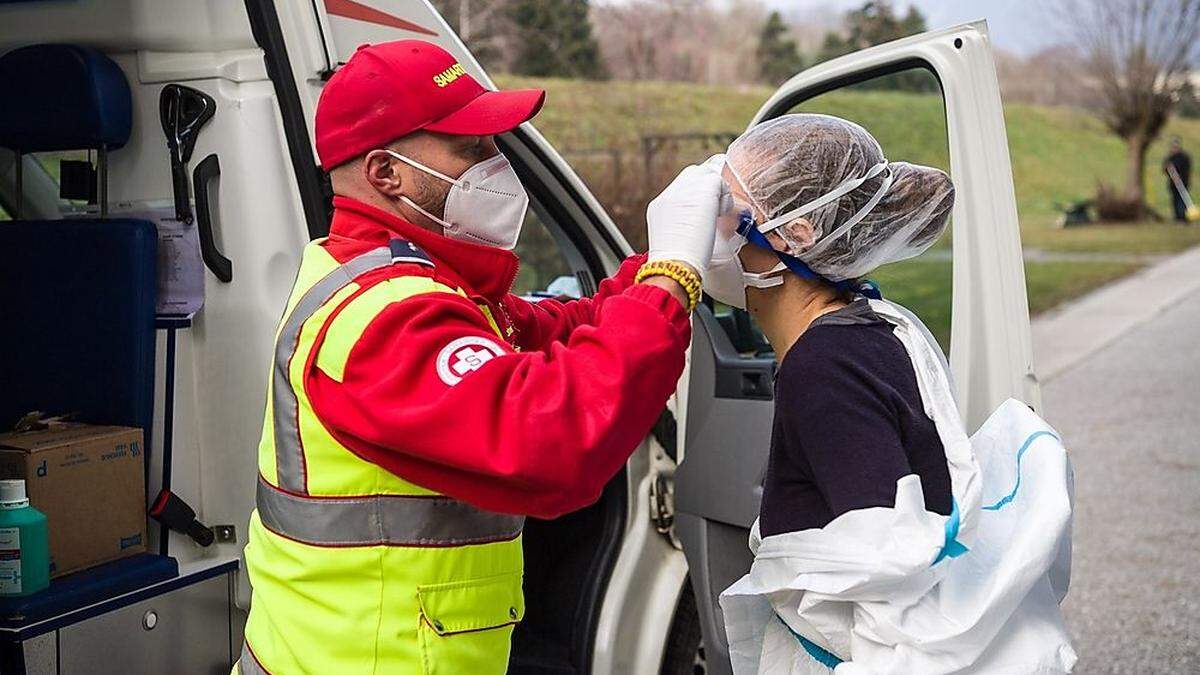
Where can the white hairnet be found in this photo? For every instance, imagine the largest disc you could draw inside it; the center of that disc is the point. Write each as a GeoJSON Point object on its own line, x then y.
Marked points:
{"type": "Point", "coordinates": [792, 160]}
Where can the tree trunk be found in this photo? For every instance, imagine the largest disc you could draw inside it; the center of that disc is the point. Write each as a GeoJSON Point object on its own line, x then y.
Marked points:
{"type": "Point", "coordinates": [1135, 167]}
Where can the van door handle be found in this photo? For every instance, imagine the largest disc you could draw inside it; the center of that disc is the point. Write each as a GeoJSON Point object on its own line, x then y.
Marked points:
{"type": "Point", "coordinates": [745, 379]}
{"type": "Point", "coordinates": [756, 384]}
{"type": "Point", "coordinates": [208, 169]}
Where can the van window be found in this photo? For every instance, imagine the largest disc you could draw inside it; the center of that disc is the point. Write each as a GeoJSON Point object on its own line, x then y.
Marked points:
{"type": "Point", "coordinates": [906, 113]}
{"type": "Point", "coordinates": [52, 164]}
{"type": "Point", "coordinates": [37, 189]}
{"type": "Point", "coordinates": [544, 270]}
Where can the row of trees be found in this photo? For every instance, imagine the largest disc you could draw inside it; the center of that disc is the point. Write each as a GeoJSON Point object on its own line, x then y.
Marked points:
{"type": "Point", "coordinates": [542, 38]}
{"type": "Point", "coordinates": [682, 40]}
{"type": "Point", "coordinates": [1128, 60]}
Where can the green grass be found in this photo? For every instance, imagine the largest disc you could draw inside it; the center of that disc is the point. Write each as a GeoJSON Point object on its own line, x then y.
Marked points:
{"type": "Point", "coordinates": [580, 114]}
{"type": "Point", "coordinates": [924, 286]}
{"type": "Point", "coordinates": [1058, 155]}
{"type": "Point", "coordinates": [1051, 283]}
{"type": "Point", "coordinates": [1139, 239]}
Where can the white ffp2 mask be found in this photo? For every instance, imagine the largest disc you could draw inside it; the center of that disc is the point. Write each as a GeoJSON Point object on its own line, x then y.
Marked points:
{"type": "Point", "coordinates": [485, 205]}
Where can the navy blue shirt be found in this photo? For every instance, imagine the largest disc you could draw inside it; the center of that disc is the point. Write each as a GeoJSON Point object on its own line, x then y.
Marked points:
{"type": "Point", "coordinates": [848, 424]}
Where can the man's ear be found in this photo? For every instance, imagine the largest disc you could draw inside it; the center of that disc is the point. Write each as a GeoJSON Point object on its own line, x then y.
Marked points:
{"type": "Point", "coordinates": [382, 172]}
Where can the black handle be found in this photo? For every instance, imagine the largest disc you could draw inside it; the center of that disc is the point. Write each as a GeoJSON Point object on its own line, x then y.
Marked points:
{"type": "Point", "coordinates": [222, 267]}
{"type": "Point", "coordinates": [757, 384]}
{"type": "Point", "coordinates": [179, 184]}
{"type": "Point", "coordinates": [737, 376]}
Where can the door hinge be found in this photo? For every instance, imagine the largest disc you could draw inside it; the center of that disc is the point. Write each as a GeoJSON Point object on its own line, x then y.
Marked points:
{"type": "Point", "coordinates": [662, 504]}
{"type": "Point", "coordinates": [663, 462]}
{"type": "Point", "coordinates": [666, 432]}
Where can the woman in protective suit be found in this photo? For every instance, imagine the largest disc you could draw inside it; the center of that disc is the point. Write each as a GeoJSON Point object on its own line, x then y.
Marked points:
{"type": "Point", "coordinates": [877, 548]}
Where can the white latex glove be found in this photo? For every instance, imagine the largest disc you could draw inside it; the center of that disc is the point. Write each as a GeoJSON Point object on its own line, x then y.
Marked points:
{"type": "Point", "coordinates": [681, 222]}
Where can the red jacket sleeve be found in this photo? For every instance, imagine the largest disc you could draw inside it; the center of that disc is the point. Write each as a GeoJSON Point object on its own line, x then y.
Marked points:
{"type": "Point", "coordinates": [538, 324]}
{"type": "Point", "coordinates": [430, 393]}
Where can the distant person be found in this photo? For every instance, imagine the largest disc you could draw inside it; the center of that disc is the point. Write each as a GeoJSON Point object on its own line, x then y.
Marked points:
{"type": "Point", "coordinates": [1181, 162]}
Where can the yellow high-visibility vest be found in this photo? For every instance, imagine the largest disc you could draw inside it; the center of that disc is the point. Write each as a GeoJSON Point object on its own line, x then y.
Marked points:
{"type": "Point", "coordinates": [354, 569]}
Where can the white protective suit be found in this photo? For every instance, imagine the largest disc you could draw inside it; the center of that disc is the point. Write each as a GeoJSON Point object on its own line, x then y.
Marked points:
{"type": "Point", "coordinates": [904, 590]}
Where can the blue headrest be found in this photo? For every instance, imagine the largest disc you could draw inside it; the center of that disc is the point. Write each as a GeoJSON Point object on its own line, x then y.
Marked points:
{"type": "Point", "coordinates": [62, 97]}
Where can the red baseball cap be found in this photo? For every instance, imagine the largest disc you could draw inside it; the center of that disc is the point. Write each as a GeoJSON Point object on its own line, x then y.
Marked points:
{"type": "Point", "coordinates": [391, 89]}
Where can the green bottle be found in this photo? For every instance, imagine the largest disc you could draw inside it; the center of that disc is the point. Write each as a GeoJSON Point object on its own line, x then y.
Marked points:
{"type": "Point", "coordinates": [24, 546]}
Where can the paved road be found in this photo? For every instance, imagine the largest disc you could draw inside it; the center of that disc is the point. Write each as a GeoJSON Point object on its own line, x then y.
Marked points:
{"type": "Point", "coordinates": [1130, 413]}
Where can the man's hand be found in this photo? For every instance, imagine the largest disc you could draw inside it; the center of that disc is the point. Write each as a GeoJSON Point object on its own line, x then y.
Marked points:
{"type": "Point", "coordinates": [681, 222]}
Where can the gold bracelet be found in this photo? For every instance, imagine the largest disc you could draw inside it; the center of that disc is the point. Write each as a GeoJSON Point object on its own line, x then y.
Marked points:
{"type": "Point", "coordinates": [677, 271]}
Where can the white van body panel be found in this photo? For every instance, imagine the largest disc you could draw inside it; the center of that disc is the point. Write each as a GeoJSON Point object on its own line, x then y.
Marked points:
{"type": "Point", "coordinates": [642, 592]}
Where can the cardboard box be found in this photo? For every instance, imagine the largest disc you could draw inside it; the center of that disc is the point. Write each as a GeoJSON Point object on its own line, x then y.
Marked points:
{"type": "Point", "coordinates": [90, 483]}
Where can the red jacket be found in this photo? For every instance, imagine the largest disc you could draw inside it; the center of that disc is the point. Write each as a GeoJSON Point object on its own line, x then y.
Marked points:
{"type": "Point", "coordinates": [533, 426]}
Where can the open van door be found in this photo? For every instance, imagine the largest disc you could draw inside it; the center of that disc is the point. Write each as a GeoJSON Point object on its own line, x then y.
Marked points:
{"type": "Point", "coordinates": [727, 427]}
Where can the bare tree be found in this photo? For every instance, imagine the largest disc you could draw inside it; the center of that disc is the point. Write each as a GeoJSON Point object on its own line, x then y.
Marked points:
{"type": "Point", "coordinates": [682, 40]}
{"type": "Point", "coordinates": [484, 26]}
{"type": "Point", "coordinates": [1055, 75]}
{"type": "Point", "coordinates": [1139, 54]}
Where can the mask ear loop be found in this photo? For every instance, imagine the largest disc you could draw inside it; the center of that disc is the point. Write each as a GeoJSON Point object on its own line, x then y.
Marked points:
{"type": "Point", "coordinates": [436, 174]}
{"type": "Point", "coordinates": [799, 267]}
{"type": "Point", "coordinates": [837, 193]}
{"type": "Point", "coordinates": [857, 217]}
{"type": "Point", "coordinates": [417, 165]}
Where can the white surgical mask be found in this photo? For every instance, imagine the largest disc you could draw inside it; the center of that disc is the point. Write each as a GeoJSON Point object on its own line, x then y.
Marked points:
{"type": "Point", "coordinates": [485, 205]}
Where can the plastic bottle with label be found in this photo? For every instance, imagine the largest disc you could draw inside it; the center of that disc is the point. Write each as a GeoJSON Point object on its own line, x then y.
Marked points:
{"type": "Point", "coordinates": [24, 546]}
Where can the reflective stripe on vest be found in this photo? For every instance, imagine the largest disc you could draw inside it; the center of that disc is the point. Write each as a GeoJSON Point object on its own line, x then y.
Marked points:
{"type": "Point", "coordinates": [289, 457]}
{"type": "Point", "coordinates": [247, 664]}
{"type": "Point", "coordinates": [381, 520]}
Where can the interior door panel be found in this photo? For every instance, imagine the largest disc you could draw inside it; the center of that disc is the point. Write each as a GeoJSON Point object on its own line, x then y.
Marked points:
{"type": "Point", "coordinates": [718, 486]}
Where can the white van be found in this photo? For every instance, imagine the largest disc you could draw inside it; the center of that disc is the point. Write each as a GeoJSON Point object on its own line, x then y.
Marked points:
{"type": "Point", "coordinates": [627, 585]}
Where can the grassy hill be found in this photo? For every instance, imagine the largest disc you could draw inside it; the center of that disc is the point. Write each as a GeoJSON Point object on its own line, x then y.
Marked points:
{"type": "Point", "coordinates": [1058, 156]}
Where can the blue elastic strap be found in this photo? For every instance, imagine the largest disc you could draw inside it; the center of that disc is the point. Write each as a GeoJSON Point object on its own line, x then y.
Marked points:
{"type": "Point", "coordinates": [798, 267]}
{"type": "Point", "coordinates": [819, 653]}
{"type": "Point", "coordinates": [1020, 453]}
{"type": "Point", "coordinates": [952, 548]}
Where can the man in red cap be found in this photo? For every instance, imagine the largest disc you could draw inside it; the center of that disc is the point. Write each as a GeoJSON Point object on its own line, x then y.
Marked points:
{"type": "Point", "coordinates": [417, 410]}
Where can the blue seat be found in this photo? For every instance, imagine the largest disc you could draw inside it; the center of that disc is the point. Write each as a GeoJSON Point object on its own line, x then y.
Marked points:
{"type": "Point", "coordinates": [62, 97]}
{"type": "Point", "coordinates": [77, 297]}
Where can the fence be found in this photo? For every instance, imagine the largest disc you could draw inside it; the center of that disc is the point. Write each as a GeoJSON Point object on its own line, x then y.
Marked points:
{"type": "Point", "coordinates": [626, 179]}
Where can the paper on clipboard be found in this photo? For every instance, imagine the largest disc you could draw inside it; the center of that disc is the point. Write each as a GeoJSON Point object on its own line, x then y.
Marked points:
{"type": "Point", "coordinates": [180, 268]}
